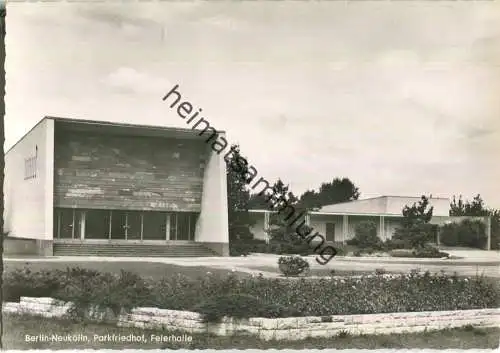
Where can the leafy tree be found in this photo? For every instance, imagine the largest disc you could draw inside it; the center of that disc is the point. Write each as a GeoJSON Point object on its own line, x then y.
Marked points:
{"type": "Point", "coordinates": [470, 233]}
{"type": "Point", "coordinates": [415, 230]}
{"type": "Point", "coordinates": [282, 232]}
{"type": "Point", "coordinates": [478, 208]}
{"type": "Point", "coordinates": [280, 192]}
{"type": "Point", "coordinates": [311, 200]}
{"type": "Point", "coordinates": [258, 202]}
{"type": "Point", "coordinates": [336, 191]}
{"type": "Point", "coordinates": [238, 196]}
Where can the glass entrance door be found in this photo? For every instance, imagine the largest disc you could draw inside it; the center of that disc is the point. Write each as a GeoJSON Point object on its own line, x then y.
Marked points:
{"type": "Point", "coordinates": [65, 224]}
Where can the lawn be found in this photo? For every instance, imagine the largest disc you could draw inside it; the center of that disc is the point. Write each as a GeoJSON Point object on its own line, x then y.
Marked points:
{"type": "Point", "coordinates": [17, 327]}
{"type": "Point", "coordinates": [153, 270]}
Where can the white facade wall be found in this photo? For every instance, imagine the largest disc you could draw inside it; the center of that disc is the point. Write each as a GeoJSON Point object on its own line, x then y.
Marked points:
{"type": "Point", "coordinates": [29, 202]}
{"type": "Point", "coordinates": [212, 225]}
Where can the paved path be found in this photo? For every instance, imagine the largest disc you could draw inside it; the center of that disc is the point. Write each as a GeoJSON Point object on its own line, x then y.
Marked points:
{"type": "Point", "coordinates": [467, 267]}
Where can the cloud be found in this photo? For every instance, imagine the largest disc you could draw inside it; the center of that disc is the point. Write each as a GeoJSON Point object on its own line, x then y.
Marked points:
{"type": "Point", "coordinates": [127, 80]}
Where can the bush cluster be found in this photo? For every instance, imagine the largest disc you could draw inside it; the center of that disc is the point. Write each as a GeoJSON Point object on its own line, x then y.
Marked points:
{"type": "Point", "coordinates": [231, 296]}
{"type": "Point", "coordinates": [240, 306]}
{"type": "Point", "coordinates": [366, 236]}
{"type": "Point", "coordinates": [83, 287]}
{"type": "Point", "coordinates": [469, 233]}
{"type": "Point", "coordinates": [292, 265]}
{"type": "Point", "coordinates": [427, 251]}
{"type": "Point", "coordinates": [245, 247]}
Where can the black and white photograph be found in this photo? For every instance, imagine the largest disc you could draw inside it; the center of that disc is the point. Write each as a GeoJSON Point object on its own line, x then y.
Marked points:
{"type": "Point", "coordinates": [250, 175]}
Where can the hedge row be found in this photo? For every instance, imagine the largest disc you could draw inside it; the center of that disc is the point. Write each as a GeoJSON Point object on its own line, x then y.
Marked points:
{"type": "Point", "coordinates": [218, 296]}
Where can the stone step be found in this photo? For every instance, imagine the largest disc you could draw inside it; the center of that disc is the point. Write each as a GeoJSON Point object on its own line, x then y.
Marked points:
{"type": "Point", "coordinates": [133, 250]}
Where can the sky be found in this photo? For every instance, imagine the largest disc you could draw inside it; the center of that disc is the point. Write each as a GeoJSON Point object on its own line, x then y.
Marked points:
{"type": "Point", "coordinates": [400, 97]}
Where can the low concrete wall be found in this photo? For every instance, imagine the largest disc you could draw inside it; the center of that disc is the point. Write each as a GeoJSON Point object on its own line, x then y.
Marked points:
{"type": "Point", "coordinates": [294, 328]}
{"type": "Point", "coordinates": [32, 247]}
{"type": "Point", "coordinates": [19, 246]}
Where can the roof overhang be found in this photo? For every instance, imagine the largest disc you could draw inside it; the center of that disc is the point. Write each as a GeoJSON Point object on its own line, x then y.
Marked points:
{"type": "Point", "coordinates": [114, 128]}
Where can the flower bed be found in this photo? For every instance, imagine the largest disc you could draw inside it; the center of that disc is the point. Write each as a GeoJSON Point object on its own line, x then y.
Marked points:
{"type": "Point", "coordinates": [229, 296]}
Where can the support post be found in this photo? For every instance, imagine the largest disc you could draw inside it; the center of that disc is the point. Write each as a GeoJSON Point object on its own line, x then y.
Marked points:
{"type": "Point", "coordinates": [345, 228]}
{"type": "Point", "coordinates": [167, 237]}
{"type": "Point", "coordinates": [73, 225]}
{"type": "Point", "coordinates": [266, 225]}
{"type": "Point", "coordinates": [142, 226]}
{"type": "Point", "coordinates": [110, 223]}
{"type": "Point", "coordinates": [82, 225]}
{"type": "Point", "coordinates": [382, 228]}
{"type": "Point", "coordinates": [488, 233]}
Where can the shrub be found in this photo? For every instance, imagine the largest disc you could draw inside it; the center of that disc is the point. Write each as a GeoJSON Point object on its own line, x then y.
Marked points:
{"type": "Point", "coordinates": [425, 252]}
{"type": "Point", "coordinates": [272, 297]}
{"type": "Point", "coordinates": [416, 235]}
{"type": "Point", "coordinates": [239, 306]}
{"type": "Point", "coordinates": [395, 244]}
{"type": "Point", "coordinates": [429, 252]}
{"type": "Point", "coordinates": [401, 253]}
{"type": "Point", "coordinates": [244, 247]}
{"type": "Point", "coordinates": [366, 236]}
{"type": "Point", "coordinates": [470, 233]}
{"type": "Point", "coordinates": [369, 251]}
{"type": "Point", "coordinates": [24, 282]}
{"type": "Point", "coordinates": [102, 290]}
{"type": "Point", "coordinates": [292, 265]}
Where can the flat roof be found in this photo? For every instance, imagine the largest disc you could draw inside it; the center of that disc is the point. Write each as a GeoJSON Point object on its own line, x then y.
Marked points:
{"type": "Point", "coordinates": [119, 128]}
{"type": "Point", "coordinates": [105, 123]}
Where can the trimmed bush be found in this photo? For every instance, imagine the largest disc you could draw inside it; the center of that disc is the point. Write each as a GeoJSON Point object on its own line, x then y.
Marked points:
{"type": "Point", "coordinates": [429, 252]}
{"type": "Point", "coordinates": [292, 265]}
{"type": "Point", "coordinates": [425, 252]}
{"type": "Point", "coordinates": [396, 244]}
{"type": "Point", "coordinates": [24, 282]}
{"type": "Point", "coordinates": [240, 306]}
{"type": "Point", "coordinates": [401, 253]}
{"type": "Point", "coordinates": [86, 288]}
{"type": "Point", "coordinates": [469, 233]}
{"type": "Point", "coordinates": [246, 246]}
{"type": "Point", "coordinates": [366, 236]}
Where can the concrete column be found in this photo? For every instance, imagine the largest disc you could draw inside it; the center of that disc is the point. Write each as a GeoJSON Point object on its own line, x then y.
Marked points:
{"type": "Point", "coordinates": [82, 225]}
{"type": "Point", "coordinates": [382, 228]}
{"type": "Point", "coordinates": [267, 216]}
{"type": "Point", "coordinates": [488, 233]}
{"type": "Point", "coordinates": [47, 168]}
{"type": "Point", "coordinates": [212, 227]}
{"type": "Point", "coordinates": [167, 230]}
{"type": "Point", "coordinates": [345, 228]}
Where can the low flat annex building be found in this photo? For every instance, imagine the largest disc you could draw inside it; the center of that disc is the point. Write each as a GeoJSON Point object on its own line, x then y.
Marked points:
{"type": "Point", "coordinates": [337, 222]}
{"type": "Point", "coordinates": [81, 187]}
